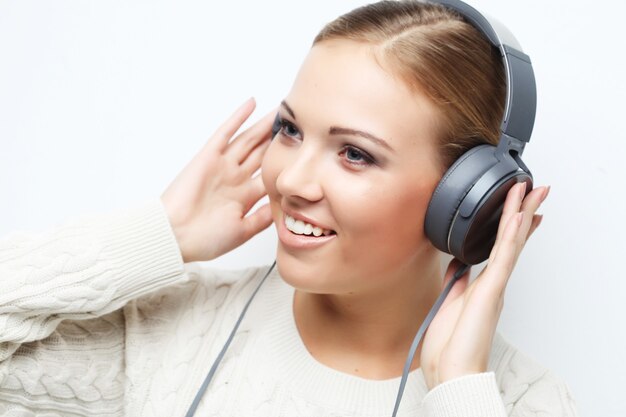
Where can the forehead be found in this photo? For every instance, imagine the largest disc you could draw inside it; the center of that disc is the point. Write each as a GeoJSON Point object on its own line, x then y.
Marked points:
{"type": "Point", "coordinates": [342, 82]}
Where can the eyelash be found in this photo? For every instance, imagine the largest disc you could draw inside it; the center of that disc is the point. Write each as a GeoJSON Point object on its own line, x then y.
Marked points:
{"type": "Point", "coordinates": [367, 159]}
{"type": "Point", "coordinates": [282, 124]}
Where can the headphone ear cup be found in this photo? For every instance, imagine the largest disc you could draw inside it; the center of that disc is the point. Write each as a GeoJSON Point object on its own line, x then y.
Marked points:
{"type": "Point", "coordinates": [452, 188]}
{"type": "Point", "coordinates": [472, 237]}
{"type": "Point", "coordinates": [464, 212]}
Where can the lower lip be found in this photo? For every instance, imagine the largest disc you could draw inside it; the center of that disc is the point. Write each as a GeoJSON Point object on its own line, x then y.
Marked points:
{"type": "Point", "coordinates": [294, 241]}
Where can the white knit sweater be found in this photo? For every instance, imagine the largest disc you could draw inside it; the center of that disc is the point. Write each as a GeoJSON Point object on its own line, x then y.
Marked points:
{"type": "Point", "coordinates": [100, 317]}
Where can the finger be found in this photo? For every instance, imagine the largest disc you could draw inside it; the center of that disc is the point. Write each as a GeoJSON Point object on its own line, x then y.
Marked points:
{"type": "Point", "coordinates": [499, 269]}
{"type": "Point", "coordinates": [257, 221]}
{"type": "Point", "coordinates": [512, 205]}
{"type": "Point", "coordinates": [529, 207]}
{"type": "Point", "coordinates": [537, 218]}
{"type": "Point", "coordinates": [459, 287]}
{"type": "Point", "coordinates": [531, 204]}
{"type": "Point", "coordinates": [248, 140]}
{"type": "Point", "coordinates": [506, 252]}
{"type": "Point", "coordinates": [254, 192]}
{"type": "Point", "coordinates": [253, 162]}
{"type": "Point", "coordinates": [222, 135]}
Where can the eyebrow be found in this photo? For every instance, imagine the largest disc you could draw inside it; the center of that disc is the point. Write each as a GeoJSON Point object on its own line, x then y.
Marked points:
{"type": "Point", "coordinates": [336, 130]}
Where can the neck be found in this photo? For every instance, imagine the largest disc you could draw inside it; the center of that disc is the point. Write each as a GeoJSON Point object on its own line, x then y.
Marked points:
{"type": "Point", "coordinates": [369, 333]}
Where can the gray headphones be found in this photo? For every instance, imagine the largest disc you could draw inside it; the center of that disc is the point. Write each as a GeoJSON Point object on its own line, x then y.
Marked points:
{"type": "Point", "coordinates": [463, 214]}
{"type": "Point", "coordinates": [465, 209]}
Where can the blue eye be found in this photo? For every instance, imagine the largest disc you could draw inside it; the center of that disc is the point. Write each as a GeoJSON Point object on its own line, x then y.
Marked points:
{"type": "Point", "coordinates": [355, 156]}
{"type": "Point", "coordinates": [287, 128]}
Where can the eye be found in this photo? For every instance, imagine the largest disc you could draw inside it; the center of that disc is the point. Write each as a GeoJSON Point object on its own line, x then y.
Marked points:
{"type": "Point", "coordinates": [356, 156]}
{"type": "Point", "coordinates": [286, 128]}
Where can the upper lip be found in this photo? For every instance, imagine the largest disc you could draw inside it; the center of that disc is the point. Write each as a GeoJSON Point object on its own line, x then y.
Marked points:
{"type": "Point", "coordinates": [305, 219]}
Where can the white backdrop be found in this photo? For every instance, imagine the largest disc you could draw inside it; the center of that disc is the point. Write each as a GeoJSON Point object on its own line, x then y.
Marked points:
{"type": "Point", "coordinates": [102, 103]}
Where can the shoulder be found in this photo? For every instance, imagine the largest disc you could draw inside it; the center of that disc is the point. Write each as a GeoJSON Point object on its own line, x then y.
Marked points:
{"type": "Point", "coordinates": [205, 271]}
{"type": "Point", "coordinates": [206, 289]}
{"type": "Point", "coordinates": [528, 388]}
{"type": "Point", "coordinates": [204, 275]}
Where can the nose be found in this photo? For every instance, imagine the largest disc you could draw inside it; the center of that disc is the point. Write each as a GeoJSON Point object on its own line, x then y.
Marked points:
{"type": "Point", "coordinates": [300, 177]}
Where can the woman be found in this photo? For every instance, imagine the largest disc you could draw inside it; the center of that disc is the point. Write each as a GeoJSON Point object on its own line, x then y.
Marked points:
{"type": "Point", "coordinates": [112, 315]}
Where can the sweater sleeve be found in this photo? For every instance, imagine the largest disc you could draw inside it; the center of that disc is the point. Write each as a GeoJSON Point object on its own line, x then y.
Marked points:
{"type": "Point", "coordinates": [548, 396]}
{"type": "Point", "coordinates": [479, 395]}
{"type": "Point", "coordinates": [468, 396]}
{"type": "Point", "coordinates": [83, 269]}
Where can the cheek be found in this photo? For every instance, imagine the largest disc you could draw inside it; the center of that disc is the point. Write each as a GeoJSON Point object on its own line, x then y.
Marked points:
{"type": "Point", "coordinates": [389, 217]}
{"type": "Point", "coordinates": [409, 208]}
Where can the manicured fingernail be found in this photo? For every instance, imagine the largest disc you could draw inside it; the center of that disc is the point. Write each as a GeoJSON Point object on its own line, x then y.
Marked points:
{"type": "Point", "coordinates": [522, 190]}
{"type": "Point", "coordinates": [545, 193]}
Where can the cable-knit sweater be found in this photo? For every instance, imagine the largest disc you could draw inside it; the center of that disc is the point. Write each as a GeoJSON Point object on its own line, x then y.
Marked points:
{"type": "Point", "coordinates": [101, 317]}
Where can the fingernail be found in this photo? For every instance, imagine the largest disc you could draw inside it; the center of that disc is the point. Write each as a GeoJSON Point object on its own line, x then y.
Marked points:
{"type": "Point", "coordinates": [244, 104]}
{"type": "Point", "coordinates": [545, 193]}
{"type": "Point", "coordinates": [522, 190]}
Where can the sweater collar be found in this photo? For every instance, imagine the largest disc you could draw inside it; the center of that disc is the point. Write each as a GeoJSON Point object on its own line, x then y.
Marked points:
{"type": "Point", "coordinates": [316, 383]}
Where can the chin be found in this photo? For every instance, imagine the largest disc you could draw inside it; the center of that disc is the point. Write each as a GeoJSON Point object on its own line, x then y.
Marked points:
{"type": "Point", "coordinates": [324, 276]}
{"type": "Point", "coordinates": [306, 276]}
{"type": "Point", "coordinates": [298, 273]}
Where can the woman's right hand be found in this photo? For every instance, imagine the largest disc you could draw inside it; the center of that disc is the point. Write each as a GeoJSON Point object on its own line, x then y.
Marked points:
{"type": "Point", "coordinates": [208, 201]}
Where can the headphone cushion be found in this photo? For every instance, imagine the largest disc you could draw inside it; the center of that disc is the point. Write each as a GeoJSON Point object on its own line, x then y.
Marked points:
{"type": "Point", "coordinates": [452, 188]}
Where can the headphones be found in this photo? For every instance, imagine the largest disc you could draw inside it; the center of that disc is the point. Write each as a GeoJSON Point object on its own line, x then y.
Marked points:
{"type": "Point", "coordinates": [465, 208]}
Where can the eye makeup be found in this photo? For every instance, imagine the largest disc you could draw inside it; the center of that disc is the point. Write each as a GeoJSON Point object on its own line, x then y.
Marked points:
{"type": "Point", "coordinates": [285, 127]}
{"type": "Point", "coordinates": [349, 153]}
{"type": "Point", "coordinates": [356, 156]}
{"type": "Point", "coordinates": [337, 130]}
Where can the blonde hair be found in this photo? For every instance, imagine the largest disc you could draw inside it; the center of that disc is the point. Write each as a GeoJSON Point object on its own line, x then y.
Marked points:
{"type": "Point", "coordinates": [434, 51]}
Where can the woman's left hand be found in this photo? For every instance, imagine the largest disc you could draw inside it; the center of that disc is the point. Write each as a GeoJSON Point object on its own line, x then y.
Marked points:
{"type": "Point", "coordinates": [458, 341]}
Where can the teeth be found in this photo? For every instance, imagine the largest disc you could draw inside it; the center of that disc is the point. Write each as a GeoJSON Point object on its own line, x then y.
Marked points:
{"type": "Point", "coordinates": [301, 228]}
{"type": "Point", "coordinates": [298, 227]}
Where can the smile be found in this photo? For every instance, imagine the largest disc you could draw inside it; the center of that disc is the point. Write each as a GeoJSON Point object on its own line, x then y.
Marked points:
{"type": "Point", "coordinates": [300, 227]}
{"type": "Point", "coordinates": [296, 235]}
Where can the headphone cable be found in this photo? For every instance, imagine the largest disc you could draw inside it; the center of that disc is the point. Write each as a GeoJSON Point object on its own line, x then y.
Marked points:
{"type": "Point", "coordinates": [209, 377]}
{"type": "Point", "coordinates": [420, 333]}
{"type": "Point", "coordinates": [407, 366]}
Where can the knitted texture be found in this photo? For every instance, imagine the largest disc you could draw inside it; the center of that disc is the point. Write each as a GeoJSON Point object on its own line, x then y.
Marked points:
{"type": "Point", "coordinates": [101, 317]}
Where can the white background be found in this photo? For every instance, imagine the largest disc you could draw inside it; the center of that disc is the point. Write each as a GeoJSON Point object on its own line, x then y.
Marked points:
{"type": "Point", "coordinates": [102, 103]}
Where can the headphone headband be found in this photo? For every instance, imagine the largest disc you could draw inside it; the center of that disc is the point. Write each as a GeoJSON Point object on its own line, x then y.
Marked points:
{"type": "Point", "coordinates": [521, 91]}
{"type": "Point", "coordinates": [465, 208]}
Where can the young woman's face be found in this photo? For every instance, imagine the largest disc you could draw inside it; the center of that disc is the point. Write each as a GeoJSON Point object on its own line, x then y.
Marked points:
{"type": "Point", "coordinates": [355, 162]}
